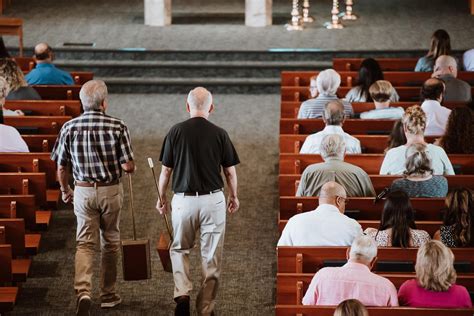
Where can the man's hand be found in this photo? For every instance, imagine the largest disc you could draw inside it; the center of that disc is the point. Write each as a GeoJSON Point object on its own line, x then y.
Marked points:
{"type": "Point", "coordinates": [233, 204]}
{"type": "Point", "coordinates": [67, 194]}
{"type": "Point", "coordinates": [162, 207]}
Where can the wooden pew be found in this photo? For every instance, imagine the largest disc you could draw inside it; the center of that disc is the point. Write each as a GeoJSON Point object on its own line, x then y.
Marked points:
{"type": "Point", "coordinates": [40, 143]}
{"type": "Point", "coordinates": [351, 126]}
{"type": "Point", "coordinates": [8, 295]}
{"type": "Point", "coordinates": [24, 206]}
{"type": "Point", "coordinates": [12, 26]}
{"type": "Point", "coordinates": [349, 78]}
{"type": "Point", "coordinates": [426, 209]}
{"type": "Point", "coordinates": [288, 183]}
{"type": "Point", "coordinates": [40, 124]}
{"type": "Point", "coordinates": [386, 64]}
{"type": "Point", "coordinates": [58, 92]}
{"type": "Point", "coordinates": [311, 259]}
{"type": "Point", "coordinates": [25, 183]}
{"type": "Point", "coordinates": [289, 109]}
{"type": "Point", "coordinates": [46, 107]}
{"type": "Point", "coordinates": [301, 310]}
{"type": "Point", "coordinates": [22, 244]}
{"type": "Point", "coordinates": [371, 163]}
{"type": "Point", "coordinates": [291, 287]}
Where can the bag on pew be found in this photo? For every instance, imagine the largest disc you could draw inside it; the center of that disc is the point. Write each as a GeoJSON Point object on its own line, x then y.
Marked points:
{"type": "Point", "coordinates": [136, 260]}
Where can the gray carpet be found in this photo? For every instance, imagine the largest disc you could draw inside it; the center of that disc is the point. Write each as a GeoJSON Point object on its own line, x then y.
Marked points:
{"type": "Point", "coordinates": [390, 24]}
{"type": "Point", "coordinates": [249, 252]}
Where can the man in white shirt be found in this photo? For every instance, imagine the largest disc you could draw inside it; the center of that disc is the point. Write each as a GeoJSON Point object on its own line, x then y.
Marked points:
{"type": "Point", "coordinates": [436, 114]}
{"type": "Point", "coordinates": [333, 117]}
{"type": "Point", "coordinates": [468, 60]}
{"type": "Point", "coordinates": [326, 225]}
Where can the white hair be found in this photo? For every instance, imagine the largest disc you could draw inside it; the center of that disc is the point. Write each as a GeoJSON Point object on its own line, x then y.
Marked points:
{"type": "Point", "coordinates": [92, 94]}
{"type": "Point", "coordinates": [328, 82]}
{"type": "Point", "coordinates": [332, 145]}
{"type": "Point", "coordinates": [199, 99]}
{"type": "Point", "coordinates": [363, 248]}
{"type": "Point", "coordinates": [4, 88]}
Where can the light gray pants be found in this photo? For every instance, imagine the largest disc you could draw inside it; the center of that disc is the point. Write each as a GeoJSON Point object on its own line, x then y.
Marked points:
{"type": "Point", "coordinates": [97, 211]}
{"type": "Point", "coordinates": [206, 213]}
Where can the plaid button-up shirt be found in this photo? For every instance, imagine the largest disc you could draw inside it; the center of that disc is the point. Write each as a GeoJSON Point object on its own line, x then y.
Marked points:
{"type": "Point", "coordinates": [96, 145]}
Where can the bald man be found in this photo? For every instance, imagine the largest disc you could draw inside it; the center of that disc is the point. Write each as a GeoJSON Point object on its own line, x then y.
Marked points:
{"type": "Point", "coordinates": [437, 115]}
{"type": "Point", "coordinates": [194, 152]}
{"type": "Point", "coordinates": [45, 72]}
{"type": "Point", "coordinates": [326, 225]}
{"type": "Point", "coordinates": [446, 69]}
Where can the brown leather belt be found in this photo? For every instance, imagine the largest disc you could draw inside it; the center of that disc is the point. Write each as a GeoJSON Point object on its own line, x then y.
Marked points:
{"type": "Point", "coordinates": [95, 184]}
{"type": "Point", "coordinates": [197, 193]}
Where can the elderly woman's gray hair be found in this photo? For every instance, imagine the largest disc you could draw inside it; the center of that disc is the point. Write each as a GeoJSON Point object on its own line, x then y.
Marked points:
{"type": "Point", "coordinates": [93, 93]}
{"type": "Point", "coordinates": [332, 146]}
{"type": "Point", "coordinates": [417, 160]}
{"type": "Point", "coordinates": [4, 88]}
{"type": "Point", "coordinates": [328, 82]}
{"type": "Point", "coordinates": [363, 248]}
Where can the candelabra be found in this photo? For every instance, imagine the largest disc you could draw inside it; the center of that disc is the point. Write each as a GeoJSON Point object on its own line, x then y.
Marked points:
{"type": "Point", "coordinates": [296, 23]}
{"type": "Point", "coordinates": [335, 23]}
{"type": "Point", "coordinates": [348, 15]}
{"type": "Point", "coordinates": [306, 17]}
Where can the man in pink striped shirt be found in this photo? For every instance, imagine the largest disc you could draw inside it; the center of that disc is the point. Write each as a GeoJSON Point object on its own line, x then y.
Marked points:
{"type": "Point", "coordinates": [330, 286]}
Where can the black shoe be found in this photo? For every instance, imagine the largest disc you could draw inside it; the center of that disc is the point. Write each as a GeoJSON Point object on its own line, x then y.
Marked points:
{"type": "Point", "coordinates": [83, 305]}
{"type": "Point", "coordinates": [182, 306]}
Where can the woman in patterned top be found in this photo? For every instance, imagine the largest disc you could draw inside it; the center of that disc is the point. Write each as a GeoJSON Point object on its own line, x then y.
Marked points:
{"type": "Point", "coordinates": [457, 229]}
{"type": "Point", "coordinates": [397, 226]}
{"type": "Point", "coordinates": [419, 180]}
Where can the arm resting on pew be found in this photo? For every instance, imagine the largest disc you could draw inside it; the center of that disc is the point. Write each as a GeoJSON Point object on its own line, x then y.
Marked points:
{"type": "Point", "coordinates": [165, 175]}
{"type": "Point", "coordinates": [231, 178]}
{"type": "Point", "coordinates": [63, 178]}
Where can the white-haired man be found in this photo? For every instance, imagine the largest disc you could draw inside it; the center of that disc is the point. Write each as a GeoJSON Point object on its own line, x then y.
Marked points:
{"type": "Point", "coordinates": [195, 151]}
{"type": "Point", "coordinates": [45, 72]}
{"type": "Point", "coordinates": [333, 117]}
{"type": "Point", "coordinates": [98, 148]}
{"type": "Point", "coordinates": [355, 181]}
{"type": "Point", "coordinates": [327, 83]}
{"type": "Point", "coordinates": [446, 69]}
{"type": "Point", "coordinates": [354, 280]}
{"type": "Point", "coordinates": [326, 225]}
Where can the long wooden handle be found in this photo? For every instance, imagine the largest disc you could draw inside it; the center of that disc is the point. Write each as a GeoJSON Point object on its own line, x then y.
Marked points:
{"type": "Point", "coordinates": [168, 227]}
{"type": "Point", "coordinates": [131, 206]}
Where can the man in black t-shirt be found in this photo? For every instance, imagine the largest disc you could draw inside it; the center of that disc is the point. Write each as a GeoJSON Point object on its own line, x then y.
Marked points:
{"type": "Point", "coordinates": [195, 151]}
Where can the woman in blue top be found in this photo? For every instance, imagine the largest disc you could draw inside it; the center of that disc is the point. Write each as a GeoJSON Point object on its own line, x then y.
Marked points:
{"type": "Point", "coordinates": [440, 45]}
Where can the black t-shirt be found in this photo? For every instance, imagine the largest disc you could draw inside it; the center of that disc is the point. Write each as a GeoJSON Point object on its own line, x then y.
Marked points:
{"type": "Point", "coordinates": [196, 149]}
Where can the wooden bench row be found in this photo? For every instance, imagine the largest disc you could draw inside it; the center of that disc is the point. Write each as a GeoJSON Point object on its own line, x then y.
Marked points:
{"type": "Point", "coordinates": [37, 124]}
{"type": "Point", "coordinates": [46, 107]}
{"type": "Point", "coordinates": [386, 64]}
{"type": "Point", "coordinates": [350, 126]}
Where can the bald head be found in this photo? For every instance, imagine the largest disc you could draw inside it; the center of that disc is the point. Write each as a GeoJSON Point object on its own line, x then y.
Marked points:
{"type": "Point", "coordinates": [334, 194]}
{"type": "Point", "coordinates": [199, 100]}
{"type": "Point", "coordinates": [446, 65]}
{"type": "Point", "coordinates": [432, 89]}
{"type": "Point", "coordinates": [333, 113]}
{"type": "Point", "coordinates": [43, 52]}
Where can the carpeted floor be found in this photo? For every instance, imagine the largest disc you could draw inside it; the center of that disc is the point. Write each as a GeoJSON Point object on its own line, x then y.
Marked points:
{"type": "Point", "coordinates": [249, 254]}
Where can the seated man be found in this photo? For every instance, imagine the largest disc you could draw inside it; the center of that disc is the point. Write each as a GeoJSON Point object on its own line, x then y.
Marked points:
{"type": "Point", "coordinates": [326, 225]}
{"type": "Point", "coordinates": [380, 91]}
{"type": "Point", "coordinates": [436, 114]}
{"type": "Point", "coordinates": [333, 117]}
{"type": "Point", "coordinates": [355, 180]}
{"type": "Point", "coordinates": [327, 83]}
{"type": "Point", "coordinates": [354, 280]}
{"type": "Point", "coordinates": [45, 72]}
{"type": "Point", "coordinates": [446, 69]}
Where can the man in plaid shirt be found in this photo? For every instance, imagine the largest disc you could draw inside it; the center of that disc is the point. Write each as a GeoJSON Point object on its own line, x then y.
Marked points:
{"type": "Point", "coordinates": [98, 148]}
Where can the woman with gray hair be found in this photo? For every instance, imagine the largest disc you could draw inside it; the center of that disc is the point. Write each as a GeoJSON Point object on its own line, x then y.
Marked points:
{"type": "Point", "coordinates": [419, 180]}
{"type": "Point", "coordinates": [435, 283]}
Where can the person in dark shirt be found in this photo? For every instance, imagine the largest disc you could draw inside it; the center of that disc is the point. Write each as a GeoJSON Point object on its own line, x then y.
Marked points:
{"type": "Point", "coordinates": [195, 151]}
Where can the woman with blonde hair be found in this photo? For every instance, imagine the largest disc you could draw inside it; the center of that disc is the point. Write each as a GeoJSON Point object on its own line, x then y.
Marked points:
{"type": "Point", "coordinates": [414, 124]}
{"type": "Point", "coordinates": [419, 180]}
{"type": "Point", "coordinates": [19, 89]}
{"type": "Point", "coordinates": [435, 283]}
{"type": "Point", "coordinates": [351, 307]}
{"type": "Point", "coordinates": [4, 90]}
{"type": "Point", "coordinates": [381, 92]}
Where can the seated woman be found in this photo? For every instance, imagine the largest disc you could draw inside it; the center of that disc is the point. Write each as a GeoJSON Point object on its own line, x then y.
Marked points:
{"type": "Point", "coordinates": [19, 89]}
{"type": "Point", "coordinates": [459, 135]}
{"type": "Point", "coordinates": [457, 229]}
{"type": "Point", "coordinates": [419, 180]}
{"type": "Point", "coordinates": [397, 225]}
{"type": "Point", "coordinates": [369, 73]}
{"type": "Point", "coordinates": [351, 307]}
{"type": "Point", "coordinates": [10, 139]}
{"type": "Point", "coordinates": [434, 286]}
{"type": "Point", "coordinates": [380, 92]}
{"type": "Point", "coordinates": [5, 89]}
{"type": "Point", "coordinates": [397, 136]}
{"type": "Point", "coordinates": [440, 45]}
{"type": "Point", "coordinates": [414, 124]}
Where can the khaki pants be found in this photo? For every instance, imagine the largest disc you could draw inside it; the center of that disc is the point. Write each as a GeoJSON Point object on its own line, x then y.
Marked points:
{"type": "Point", "coordinates": [206, 213]}
{"type": "Point", "coordinates": [97, 211]}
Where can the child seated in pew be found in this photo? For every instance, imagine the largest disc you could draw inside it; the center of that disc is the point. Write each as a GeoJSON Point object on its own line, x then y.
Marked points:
{"type": "Point", "coordinates": [435, 283]}
{"type": "Point", "coordinates": [397, 225]}
{"type": "Point", "coordinates": [457, 229]}
{"type": "Point", "coordinates": [380, 92]}
{"type": "Point", "coordinates": [351, 307]}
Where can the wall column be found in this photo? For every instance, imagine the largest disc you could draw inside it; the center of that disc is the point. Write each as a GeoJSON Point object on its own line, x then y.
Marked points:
{"type": "Point", "coordinates": [258, 13]}
{"type": "Point", "coordinates": [157, 12]}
